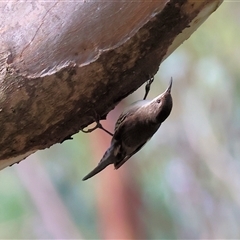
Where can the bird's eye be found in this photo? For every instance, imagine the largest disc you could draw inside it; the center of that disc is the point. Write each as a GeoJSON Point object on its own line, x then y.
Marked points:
{"type": "Point", "coordinates": [159, 100]}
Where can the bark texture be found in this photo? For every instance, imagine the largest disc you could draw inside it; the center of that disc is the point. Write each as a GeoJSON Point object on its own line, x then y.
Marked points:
{"type": "Point", "coordinates": [60, 63]}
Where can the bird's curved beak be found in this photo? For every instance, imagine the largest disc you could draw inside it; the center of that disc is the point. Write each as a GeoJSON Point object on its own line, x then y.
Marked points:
{"type": "Point", "coordinates": [168, 90]}
{"type": "Point", "coordinates": [166, 93]}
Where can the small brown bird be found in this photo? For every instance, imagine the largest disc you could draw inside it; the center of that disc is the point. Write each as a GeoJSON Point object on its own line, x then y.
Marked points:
{"type": "Point", "coordinates": [135, 126]}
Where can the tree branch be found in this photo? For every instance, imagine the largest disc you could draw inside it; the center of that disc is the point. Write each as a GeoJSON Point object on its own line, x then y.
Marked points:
{"type": "Point", "coordinates": [61, 62]}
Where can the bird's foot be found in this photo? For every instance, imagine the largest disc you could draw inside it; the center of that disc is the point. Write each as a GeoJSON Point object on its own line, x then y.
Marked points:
{"type": "Point", "coordinates": [96, 118]}
{"type": "Point", "coordinates": [148, 85]}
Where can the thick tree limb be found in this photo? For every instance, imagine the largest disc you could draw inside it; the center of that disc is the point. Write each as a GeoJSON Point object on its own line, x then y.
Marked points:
{"type": "Point", "coordinates": [60, 62]}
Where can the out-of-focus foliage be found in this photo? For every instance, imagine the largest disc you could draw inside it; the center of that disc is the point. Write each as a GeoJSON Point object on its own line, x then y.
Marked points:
{"type": "Point", "coordinates": [186, 180]}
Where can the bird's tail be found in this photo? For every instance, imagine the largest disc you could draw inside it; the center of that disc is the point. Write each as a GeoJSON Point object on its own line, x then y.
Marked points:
{"type": "Point", "coordinates": [104, 162]}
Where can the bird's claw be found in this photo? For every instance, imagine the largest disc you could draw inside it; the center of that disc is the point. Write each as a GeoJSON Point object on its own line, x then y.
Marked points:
{"type": "Point", "coordinates": [98, 125]}
{"type": "Point", "coordinates": [148, 85]}
{"type": "Point", "coordinates": [91, 129]}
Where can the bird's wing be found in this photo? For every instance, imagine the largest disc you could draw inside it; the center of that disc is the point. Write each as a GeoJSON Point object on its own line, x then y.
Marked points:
{"type": "Point", "coordinates": [119, 127]}
{"type": "Point", "coordinates": [118, 164]}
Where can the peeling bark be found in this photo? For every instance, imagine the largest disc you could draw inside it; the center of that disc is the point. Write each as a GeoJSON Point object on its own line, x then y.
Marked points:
{"type": "Point", "coordinates": [62, 62]}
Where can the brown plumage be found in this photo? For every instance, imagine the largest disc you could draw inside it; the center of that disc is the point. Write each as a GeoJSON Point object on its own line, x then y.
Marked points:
{"type": "Point", "coordinates": [134, 127]}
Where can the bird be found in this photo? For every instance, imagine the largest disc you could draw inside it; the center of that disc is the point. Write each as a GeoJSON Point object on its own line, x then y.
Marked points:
{"type": "Point", "coordinates": [134, 127]}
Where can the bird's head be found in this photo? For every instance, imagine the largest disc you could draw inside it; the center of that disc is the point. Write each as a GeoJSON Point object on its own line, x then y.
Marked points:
{"type": "Point", "coordinates": [161, 106]}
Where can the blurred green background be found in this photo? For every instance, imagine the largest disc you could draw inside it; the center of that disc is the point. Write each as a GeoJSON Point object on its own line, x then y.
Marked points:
{"type": "Point", "coordinates": [184, 184]}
